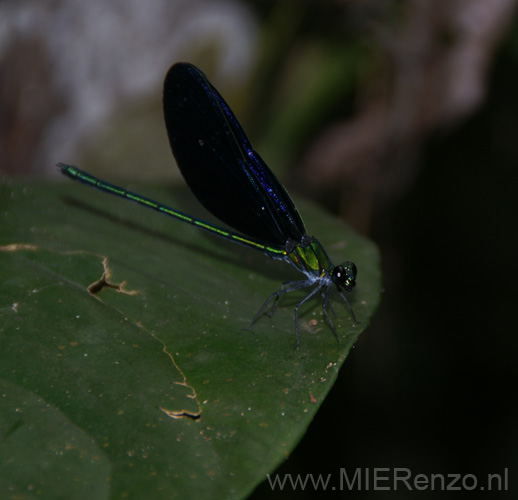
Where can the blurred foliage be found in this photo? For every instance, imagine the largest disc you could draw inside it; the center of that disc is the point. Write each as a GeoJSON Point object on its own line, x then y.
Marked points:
{"type": "Point", "coordinates": [405, 123]}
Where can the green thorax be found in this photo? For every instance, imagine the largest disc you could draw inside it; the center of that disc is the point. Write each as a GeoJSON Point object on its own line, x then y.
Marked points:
{"type": "Point", "coordinates": [310, 257]}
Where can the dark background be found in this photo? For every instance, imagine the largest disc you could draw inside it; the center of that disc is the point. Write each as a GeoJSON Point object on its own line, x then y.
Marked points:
{"type": "Point", "coordinates": [403, 119]}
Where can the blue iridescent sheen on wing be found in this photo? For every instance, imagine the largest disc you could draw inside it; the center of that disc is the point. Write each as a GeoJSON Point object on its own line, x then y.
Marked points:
{"type": "Point", "coordinates": [218, 162]}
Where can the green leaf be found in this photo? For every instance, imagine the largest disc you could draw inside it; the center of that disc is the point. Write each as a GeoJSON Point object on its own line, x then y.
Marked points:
{"type": "Point", "coordinates": [123, 368]}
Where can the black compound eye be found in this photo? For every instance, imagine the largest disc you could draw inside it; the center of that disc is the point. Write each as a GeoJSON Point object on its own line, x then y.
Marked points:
{"type": "Point", "coordinates": [344, 276]}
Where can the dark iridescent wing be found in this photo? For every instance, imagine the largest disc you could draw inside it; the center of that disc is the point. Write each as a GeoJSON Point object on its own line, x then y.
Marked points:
{"type": "Point", "coordinates": [218, 163]}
